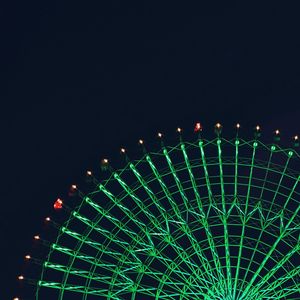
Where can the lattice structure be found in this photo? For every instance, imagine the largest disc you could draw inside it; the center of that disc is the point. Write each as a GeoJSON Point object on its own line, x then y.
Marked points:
{"type": "Point", "coordinates": [210, 219]}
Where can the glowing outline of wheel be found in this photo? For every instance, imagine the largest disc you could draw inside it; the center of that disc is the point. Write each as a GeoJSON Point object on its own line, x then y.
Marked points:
{"type": "Point", "coordinates": [169, 259]}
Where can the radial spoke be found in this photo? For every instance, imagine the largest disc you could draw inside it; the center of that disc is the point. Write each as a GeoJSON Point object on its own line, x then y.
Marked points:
{"type": "Point", "coordinates": [211, 219]}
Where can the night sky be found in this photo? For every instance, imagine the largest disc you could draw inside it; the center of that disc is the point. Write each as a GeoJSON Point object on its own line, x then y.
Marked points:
{"type": "Point", "coordinates": [78, 81]}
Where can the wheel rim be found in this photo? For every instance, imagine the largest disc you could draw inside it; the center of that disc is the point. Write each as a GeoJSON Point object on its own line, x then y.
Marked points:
{"type": "Point", "coordinates": [211, 219]}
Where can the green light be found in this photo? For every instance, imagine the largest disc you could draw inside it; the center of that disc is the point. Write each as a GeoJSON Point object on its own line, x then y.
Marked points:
{"type": "Point", "coordinates": [213, 219]}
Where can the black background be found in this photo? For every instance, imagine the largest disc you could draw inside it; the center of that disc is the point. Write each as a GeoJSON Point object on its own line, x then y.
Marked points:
{"type": "Point", "coordinates": [79, 80]}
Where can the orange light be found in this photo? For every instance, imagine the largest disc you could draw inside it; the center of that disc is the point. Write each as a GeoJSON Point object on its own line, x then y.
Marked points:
{"type": "Point", "coordinates": [16, 298]}
{"type": "Point", "coordinates": [238, 125]}
{"type": "Point", "coordinates": [296, 137]}
{"type": "Point", "coordinates": [257, 128]}
{"type": "Point", "coordinates": [21, 277]}
{"type": "Point", "coordinates": [27, 257]}
{"type": "Point", "coordinates": [36, 237]}
{"type": "Point", "coordinates": [141, 142]}
{"type": "Point", "coordinates": [74, 186]}
{"type": "Point", "coordinates": [123, 150]}
{"type": "Point", "coordinates": [105, 160]}
{"type": "Point", "coordinates": [89, 173]}
{"type": "Point", "coordinates": [179, 130]}
{"type": "Point", "coordinates": [198, 127]}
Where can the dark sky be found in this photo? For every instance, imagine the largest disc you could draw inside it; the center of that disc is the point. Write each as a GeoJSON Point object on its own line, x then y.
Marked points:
{"type": "Point", "coordinates": [80, 80]}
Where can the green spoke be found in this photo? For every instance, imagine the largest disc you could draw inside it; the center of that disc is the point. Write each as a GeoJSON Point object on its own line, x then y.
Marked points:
{"type": "Point", "coordinates": [212, 219]}
{"type": "Point", "coordinates": [280, 264]}
{"type": "Point", "coordinates": [272, 203]}
{"type": "Point", "coordinates": [224, 218]}
{"type": "Point", "coordinates": [202, 219]}
{"type": "Point", "coordinates": [175, 208]}
{"type": "Point", "coordinates": [213, 248]}
{"type": "Point", "coordinates": [244, 216]}
{"type": "Point", "coordinates": [295, 214]}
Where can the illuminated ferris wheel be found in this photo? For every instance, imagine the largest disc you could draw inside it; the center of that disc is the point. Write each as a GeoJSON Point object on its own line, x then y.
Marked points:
{"type": "Point", "coordinates": [205, 219]}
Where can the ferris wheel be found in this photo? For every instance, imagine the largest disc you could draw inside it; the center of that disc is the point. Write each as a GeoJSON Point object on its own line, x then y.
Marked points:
{"type": "Point", "coordinates": [204, 219]}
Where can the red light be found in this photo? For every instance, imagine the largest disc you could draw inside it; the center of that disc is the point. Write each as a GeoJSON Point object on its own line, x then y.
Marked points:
{"type": "Point", "coordinates": [58, 204]}
{"type": "Point", "coordinates": [198, 127]}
